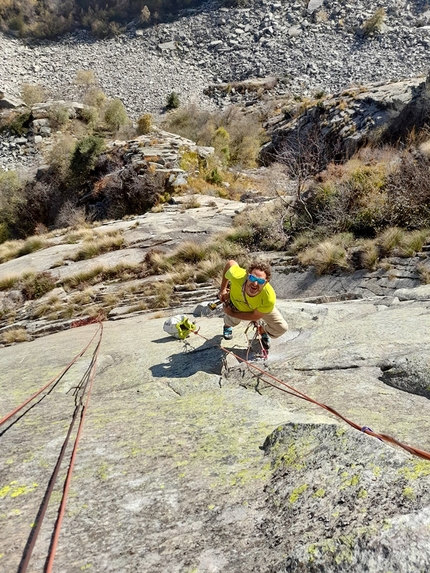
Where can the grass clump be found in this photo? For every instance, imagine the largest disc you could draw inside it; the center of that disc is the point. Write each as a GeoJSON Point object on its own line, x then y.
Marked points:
{"type": "Point", "coordinates": [14, 249]}
{"type": "Point", "coordinates": [15, 335]}
{"type": "Point", "coordinates": [97, 245]}
{"type": "Point", "coordinates": [329, 255]}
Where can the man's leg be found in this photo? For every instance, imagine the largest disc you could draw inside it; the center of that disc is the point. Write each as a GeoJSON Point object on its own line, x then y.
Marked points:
{"type": "Point", "coordinates": [229, 322]}
{"type": "Point", "coordinates": [276, 325]}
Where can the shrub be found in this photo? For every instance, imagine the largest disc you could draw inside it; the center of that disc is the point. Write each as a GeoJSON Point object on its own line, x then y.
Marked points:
{"type": "Point", "coordinates": [260, 228]}
{"type": "Point", "coordinates": [11, 200]}
{"type": "Point", "coordinates": [20, 123]}
{"type": "Point", "coordinates": [36, 285]}
{"type": "Point", "coordinates": [145, 15]}
{"type": "Point", "coordinates": [95, 97]}
{"type": "Point", "coordinates": [70, 216]}
{"type": "Point", "coordinates": [116, 115]}
{"type": "Point", "coordinates": [221, 144]}
{"type": "Point", "coordinates": [85, 155]}
{"type": "Point", "coordinates": [408, 193]}
{"type": "Point", "coordinates": [172, 101]}
{"type": "Point", "coordinates": [144, 124]}
{"type": "Point", "coordinates": [86, 80]}
{"type": "Point", "coordinates": [58, 116]}
{"type": "Point", "coordinates": [90, 116]}
{"type": "Point", "coordinates": [129, 193]}
{"type": "Point", "coordinates": [32, 93]}
{"type": "Point", "coordinates": [214, 177]}
{"type": "Point", "coordinates": [60, 155]}
{"type": "Point", "coordinates": [374, 23]}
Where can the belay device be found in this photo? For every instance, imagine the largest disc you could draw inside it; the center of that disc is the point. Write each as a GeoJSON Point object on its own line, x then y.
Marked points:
{"type": "Point", "coordinates": [179, 326]}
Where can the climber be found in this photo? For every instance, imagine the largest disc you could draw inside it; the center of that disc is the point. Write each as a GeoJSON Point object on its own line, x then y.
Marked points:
{"type": "Point", "coordinates": [247, 295]}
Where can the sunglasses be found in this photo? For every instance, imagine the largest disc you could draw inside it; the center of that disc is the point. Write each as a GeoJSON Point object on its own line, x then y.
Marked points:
{"type": "Point", "coordinates": [255, 279]}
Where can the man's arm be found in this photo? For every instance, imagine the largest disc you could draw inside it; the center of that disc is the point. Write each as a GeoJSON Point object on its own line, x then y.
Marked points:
{"type": "Point", "coordinates": [223, 292]}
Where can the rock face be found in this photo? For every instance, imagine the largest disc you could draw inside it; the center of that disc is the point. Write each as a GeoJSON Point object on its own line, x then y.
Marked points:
{"type": "Point", "coordinates": [311, 46]}
{"type": "Point", "coordinates": [342, 123]}
{"type": "Point", "coordinates": [207, 467]}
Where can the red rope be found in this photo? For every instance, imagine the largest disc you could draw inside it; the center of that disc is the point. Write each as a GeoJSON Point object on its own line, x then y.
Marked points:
{"type": "Point", "coordinates": [82, 386]}
{"type": "Point", "coordinates": [62, 510]}
{"type": "Point", "coordinates": [55, 378]}
{"type": "Point", "coordinates": [294, 392]}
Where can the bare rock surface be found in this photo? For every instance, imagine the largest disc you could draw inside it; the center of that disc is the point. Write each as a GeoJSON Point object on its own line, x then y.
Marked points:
{"type": "Point", "coordinates": [190, 460]}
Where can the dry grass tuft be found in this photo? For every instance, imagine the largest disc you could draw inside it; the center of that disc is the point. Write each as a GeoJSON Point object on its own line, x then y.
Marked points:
{"type": "Point", "coordinates": [13, 249]}
{"type": "Point", "coordinates": [326, 257]}
{"type": "Point", "coordinates": [15, 335]}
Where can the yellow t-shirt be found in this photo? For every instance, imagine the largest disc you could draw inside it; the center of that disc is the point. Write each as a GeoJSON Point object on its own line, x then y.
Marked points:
{"type": "Point", "coordinates": [263, 302]}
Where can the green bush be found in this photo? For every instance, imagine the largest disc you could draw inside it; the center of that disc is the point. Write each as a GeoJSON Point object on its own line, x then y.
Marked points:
{"type": "Point", "coordinates": [85, 155]}
{"type": "Point", "coordinates": [237, 136]}
{"type": "Point", "coordinates": [116, 115]}
{"type": "Point", "coordinates": [172, 101]}
{"type": "Point", "coordinates": [11, 200]}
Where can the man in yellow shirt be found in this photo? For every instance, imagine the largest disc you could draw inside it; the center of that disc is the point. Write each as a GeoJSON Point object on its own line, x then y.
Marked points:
{"type": "Point", "coordinates": [247, 295]}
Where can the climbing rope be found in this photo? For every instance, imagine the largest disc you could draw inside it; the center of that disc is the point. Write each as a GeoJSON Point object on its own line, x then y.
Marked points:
{"type": "Point", "coordinates": [83, 388]}
{"type": "Point", "coordinates": [298, 394]}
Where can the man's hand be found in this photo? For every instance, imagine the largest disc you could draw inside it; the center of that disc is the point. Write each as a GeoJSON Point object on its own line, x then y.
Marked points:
{"type": "Point", "coordinates": [224, 295]}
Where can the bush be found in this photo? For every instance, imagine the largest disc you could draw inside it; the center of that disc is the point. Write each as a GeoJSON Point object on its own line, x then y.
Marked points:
{"type": "Point", "coordinates": [36, 285]}
{"type": "Point", "coordinates": [144, 124]}
{"type": "Point", "coordinates": [95, 97]}
{"type": "Point", "coordinates": [172, 101]}
{"type": "Point", "coordinates": [58, 116]}
{"type": "Point", "coordinates": [20, 123]}
{"type": "Point", "coordinates": [260, 228]}
{"type": "Point", "coordinates": [128, 193]}
{"type": "Point", "coordinates": [90, 116]}
{"type": "Point", "coordinates": [60, 155]}
{"type": "Point", "coordinates": [85, 79]}
{"type": "Point", "coordinates": [116, 115]}
{"type": "Point", "coordinates": [374, 23]}
{"type": "Point", "coordinates": [70, 216]}
{"type": "Point", "coordinates": [85, 155]}
{"type": "Point", "coordinates": [237, 136]}
{"type": "Point", "coordinates": [408, 193]}
{"type": "Point", "coordinates": [11, 200]}
{"type": "Point", "coordinates": [32, 93]}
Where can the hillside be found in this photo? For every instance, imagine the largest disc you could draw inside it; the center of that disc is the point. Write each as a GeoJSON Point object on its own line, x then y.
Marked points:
{"type": "Point", "coordinates": [310, 46]}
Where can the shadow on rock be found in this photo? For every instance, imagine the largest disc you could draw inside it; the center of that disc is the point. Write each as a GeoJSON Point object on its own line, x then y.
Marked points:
{"type": "Point", "coordinates": [189, 360]}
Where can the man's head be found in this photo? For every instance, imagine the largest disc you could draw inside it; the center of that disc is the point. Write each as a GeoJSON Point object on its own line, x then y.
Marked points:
{"type": "Point", "coordinates": [259, 274]}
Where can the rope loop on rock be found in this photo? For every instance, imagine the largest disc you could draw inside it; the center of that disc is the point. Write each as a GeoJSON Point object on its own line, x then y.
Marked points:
{"type": "Point", "coordinates": [298, 394]}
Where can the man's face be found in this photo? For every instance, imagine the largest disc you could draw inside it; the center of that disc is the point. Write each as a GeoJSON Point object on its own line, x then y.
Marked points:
{"type": "Point", "coordinates": [254, 286]}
